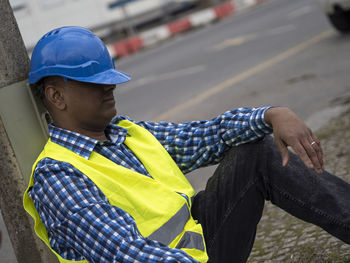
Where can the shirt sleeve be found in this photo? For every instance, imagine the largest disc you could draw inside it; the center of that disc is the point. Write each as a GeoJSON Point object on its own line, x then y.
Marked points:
{"type": "Point", "coordinates": [202, 143]}
{"type": "Point", "coordinates": [81, 224]}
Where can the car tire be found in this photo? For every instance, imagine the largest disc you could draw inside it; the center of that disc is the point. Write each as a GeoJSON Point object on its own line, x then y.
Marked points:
{"type": "Point", "coordinates": [341, 21]}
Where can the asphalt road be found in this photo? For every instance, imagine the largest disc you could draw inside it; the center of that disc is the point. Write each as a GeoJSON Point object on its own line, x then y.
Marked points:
{"type": "Point", "coordinates": [278, 53]}
{"type": "Point", "coordinates": [281, 53]}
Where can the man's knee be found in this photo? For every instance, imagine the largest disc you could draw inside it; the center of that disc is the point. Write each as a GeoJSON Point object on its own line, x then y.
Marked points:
{"type": "Point", "coordinates": [249, 151]}
{"type": "Point", "coordinates": [244, 162]}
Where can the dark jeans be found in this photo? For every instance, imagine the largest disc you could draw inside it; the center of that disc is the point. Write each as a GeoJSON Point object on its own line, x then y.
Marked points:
{"type": "Point", "coordinates": [230, 207]}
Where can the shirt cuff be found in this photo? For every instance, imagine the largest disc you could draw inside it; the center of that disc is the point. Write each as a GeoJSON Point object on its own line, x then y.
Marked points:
{"type": "Point", "coordinates": [257, 122]}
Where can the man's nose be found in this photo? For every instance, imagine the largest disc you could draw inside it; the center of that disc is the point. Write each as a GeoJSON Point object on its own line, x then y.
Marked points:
{"type": "Point", "coordinates": [109, 87]}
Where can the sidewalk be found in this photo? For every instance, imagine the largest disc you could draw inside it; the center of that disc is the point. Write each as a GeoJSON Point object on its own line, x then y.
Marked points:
{"type": "Point", "coordinates": [283, 238]}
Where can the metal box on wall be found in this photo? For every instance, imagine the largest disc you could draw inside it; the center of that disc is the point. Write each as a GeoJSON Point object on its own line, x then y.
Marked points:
{"type": "Point", "coordinates": [24, 119]}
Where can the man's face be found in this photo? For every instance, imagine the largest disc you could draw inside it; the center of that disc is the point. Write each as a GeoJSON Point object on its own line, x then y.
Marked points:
{"type": "Point", "coordinates": [90, 105]}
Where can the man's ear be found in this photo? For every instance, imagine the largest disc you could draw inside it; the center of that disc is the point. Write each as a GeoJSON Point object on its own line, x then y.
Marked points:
{"type": "Point", "coordinates": [55, 96]}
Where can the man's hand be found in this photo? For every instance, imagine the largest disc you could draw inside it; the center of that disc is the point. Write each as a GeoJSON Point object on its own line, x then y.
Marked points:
{"type": "Point", "coordinates": [289, 130]}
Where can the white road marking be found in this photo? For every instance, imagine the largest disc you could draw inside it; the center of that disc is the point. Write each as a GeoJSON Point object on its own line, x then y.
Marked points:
{"type": "Point", "coordinates": [281, 30]}
{"type": "Point", "coordinates": [161, 77]}
{"type": "Point", "coordinates": [240, 40]}
{"type": "Point", "coordinates": [300, 12]}
{"type": "Point", "coordinates": [236, 41]}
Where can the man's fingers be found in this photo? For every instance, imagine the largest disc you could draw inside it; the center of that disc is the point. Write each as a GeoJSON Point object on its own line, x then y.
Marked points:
{"type": "Point", "coordinates": [318, 148]}
{"type": "Point", "coordinates": [307, 149]}
{"type": "Point", "coordinates": [284, 151]}
{"type": "Point", "coordinates": [310, 149]}
{"type": "Point", "coordinates": [300, 150]}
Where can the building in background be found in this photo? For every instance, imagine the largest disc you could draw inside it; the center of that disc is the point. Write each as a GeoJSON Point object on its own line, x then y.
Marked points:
{"type": "Point", "coordinates": [107, 18]}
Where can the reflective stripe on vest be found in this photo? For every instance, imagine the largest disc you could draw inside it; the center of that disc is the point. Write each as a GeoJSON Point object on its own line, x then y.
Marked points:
{"type": "Point", "coordinates": [163, 216]}
{"type": "Point", "coordinates": [171, 229]}
{"type": "Point", "coordinates": [191, 240]}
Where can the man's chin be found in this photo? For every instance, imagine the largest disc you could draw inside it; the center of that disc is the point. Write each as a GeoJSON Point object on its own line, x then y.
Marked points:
{"type": "Point", "coordinates": [111, 114]}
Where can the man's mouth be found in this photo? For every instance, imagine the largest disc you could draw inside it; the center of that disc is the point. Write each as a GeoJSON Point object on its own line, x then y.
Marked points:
{"type": "Point", "coordinates": [108, 99]}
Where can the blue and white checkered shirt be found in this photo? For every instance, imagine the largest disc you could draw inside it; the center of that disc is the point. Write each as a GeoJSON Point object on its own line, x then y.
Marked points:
{"type": "Point", "coordinates": [80, 222]}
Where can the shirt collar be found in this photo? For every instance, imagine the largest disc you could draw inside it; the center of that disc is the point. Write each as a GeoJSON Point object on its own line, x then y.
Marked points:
{"type": "Point", "coordinates": [84, 145]}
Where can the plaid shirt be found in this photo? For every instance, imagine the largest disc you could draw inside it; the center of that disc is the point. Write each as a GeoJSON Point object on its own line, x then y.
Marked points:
{"type": "Point", "coordinates": [80, 222]}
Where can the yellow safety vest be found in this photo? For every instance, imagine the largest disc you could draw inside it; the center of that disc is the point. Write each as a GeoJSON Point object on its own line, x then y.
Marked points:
{"type": "Point", "coordinates": [160, 212]}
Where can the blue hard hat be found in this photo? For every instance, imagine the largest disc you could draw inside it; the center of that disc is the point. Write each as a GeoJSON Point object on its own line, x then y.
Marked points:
{"type": "Point", "coordinates": [74, 53]}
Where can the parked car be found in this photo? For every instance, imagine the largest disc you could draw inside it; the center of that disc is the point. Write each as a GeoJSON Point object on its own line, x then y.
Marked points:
{"type": "Point", "coordinates": [338, 12]}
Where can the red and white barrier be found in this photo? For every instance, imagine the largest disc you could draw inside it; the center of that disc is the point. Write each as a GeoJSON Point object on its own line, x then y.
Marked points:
{"type": "Point", "coordinates": [202, 17]}
{"type": "Point", "coordinates": [155, 35]}
{"type": "Point", "coordinates": [158, 34]}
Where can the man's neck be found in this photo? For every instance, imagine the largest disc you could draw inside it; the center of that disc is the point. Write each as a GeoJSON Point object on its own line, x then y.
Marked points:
{"type": "Point", "coordinates": [100, 136]}
{"type": "Point", "coordinates": [95, 133]}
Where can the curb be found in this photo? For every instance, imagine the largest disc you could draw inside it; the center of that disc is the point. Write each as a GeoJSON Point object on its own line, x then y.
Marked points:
{"type": "Point", "coordinates": [158, 34]}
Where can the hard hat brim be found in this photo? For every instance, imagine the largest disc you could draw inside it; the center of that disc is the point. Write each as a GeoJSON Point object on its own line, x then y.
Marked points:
{"type": "Point", "coordinates": [109, 77]}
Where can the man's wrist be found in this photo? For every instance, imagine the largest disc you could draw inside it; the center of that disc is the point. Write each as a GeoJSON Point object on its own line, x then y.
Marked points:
{"type": "Point", "coordinates": [272, 113]}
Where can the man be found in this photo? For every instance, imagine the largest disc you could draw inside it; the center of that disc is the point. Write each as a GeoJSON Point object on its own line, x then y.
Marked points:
{"type": "Point", "coordinates": [108, 189]}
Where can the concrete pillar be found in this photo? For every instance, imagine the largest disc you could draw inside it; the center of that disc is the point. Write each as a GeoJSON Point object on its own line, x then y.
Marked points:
{"type": "Point", "coordinates": [14, 67]}
{"type": "Point", "coordinates": [14, 64]}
